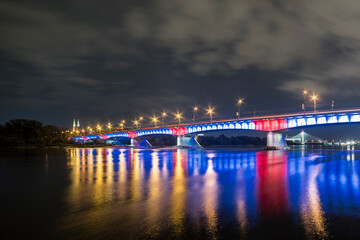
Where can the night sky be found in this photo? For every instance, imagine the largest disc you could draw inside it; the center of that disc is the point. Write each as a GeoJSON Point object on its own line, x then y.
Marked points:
{"type": "Point", "coordinates": [107, 60]}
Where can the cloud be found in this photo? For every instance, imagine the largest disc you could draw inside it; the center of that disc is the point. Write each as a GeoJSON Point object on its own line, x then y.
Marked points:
{"type": "Point", "coordinates": [125, 50]}
{"type": "Point", "coordinates": [300, 38]}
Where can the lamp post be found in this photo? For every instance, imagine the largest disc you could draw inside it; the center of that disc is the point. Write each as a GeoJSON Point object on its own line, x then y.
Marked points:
{"type": "Point", "coordinates": [154, 119]}
{"type": "Point", "coordinates": [98, 127]}
{"type": "Point", "coordinates": [210, 111]}
{"type": "Point", "coordinates": [332, 105]}
{"type": "Point", "coordinates": [140, 120]}
{"type": "Point", "coordinates": [304, 93]}
{"type": "Point", "coordinates": [109, 126]}
{"type": "Point", "coordinates": [136, 122]}
{"type": "Point", "coordinates": [195, 108]}
{"type": "Point", "coordinates": [163, 115]}
{"type": "Point", "coordinates": [122, 123]}
{"type": "Point", "coordinates": [178, 116]}
{"type": "Point", "coordinates": [314, 98]}
{"type": "Point", "coordinates": [239, 102]}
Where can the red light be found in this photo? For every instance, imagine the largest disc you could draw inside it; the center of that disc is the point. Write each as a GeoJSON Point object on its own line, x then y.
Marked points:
{"type": "Point", "coordinates": [270, 124]}
{"type": "Point", "coordinates": [178, 131]}
{"type": "Point", "coordinates": [84, 138]}
{"type": "Point", "coordinates": [132, 134]}
{"type": "Point", "coordinates": [103, 136]}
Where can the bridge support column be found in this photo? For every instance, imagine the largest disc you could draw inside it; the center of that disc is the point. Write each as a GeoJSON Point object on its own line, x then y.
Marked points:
{"type": "Point", "coordinates": [275, 140]}
{"type": "Point", "coordinates": [132, 142]}
{"type": "Point", "coordinates": [179, 141]}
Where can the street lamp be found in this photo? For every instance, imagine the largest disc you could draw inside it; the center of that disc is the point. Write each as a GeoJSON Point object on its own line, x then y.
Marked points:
{"type": "Point", "coordinates": [239, 102]}
{"type": "Point", "coordinates": [314, 98]}
{"type": "Point", "coordinates": [98, 127]}
{"type": "Point", "coordinates": [163, 115]}
{"type": "Point", "coordinates": [136, 122]}
{"type": "Point", "coordinates": [154, 119]}
{"type": "Point", "coordinates": [178, 116]}
{"type": "Point", "coordinates": [109, 126]}
{"type": "Point", "coordinates": [195, 108]}
{"type": "Point", "coordinates": [305, 92]}
{"type": "Point", "coordinates": [210, 111]}
{"type": "Point", "coordinates": [140, 119]}
{"type": "Point", "coordinates": [122, 123]}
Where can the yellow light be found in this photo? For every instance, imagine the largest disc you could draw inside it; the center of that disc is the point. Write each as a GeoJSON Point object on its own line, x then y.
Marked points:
{"type": "Point", "coordinates": [154, 120]}
{"type": "Point", "coordinates": [196, 108]}
{"type": "Point", "coordinates": [305, 92]}
{"type": "Point", "coordinates": [141, 118]}
{"type": "Point", "coordinates": [240, 101]}
{"type": "Point", "coordinates": [314, 97]}
{"type": "Point", "coordinates": [164, 114]}
{"type": "Point", "coordinates": [210, 110]}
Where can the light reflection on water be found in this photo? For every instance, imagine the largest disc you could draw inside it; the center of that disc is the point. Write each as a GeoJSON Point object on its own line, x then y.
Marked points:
{"type": "Point", "coordinates": [112, 193]}
{"type": "Point", "coordinates": [183, 193]}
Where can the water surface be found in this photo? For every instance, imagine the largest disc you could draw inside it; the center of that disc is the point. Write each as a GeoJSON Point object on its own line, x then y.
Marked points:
{"type": "Point", "coordinates": [112, 193]}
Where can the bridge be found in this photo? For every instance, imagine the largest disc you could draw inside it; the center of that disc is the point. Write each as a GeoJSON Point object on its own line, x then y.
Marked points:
{"type": "Point", "coordinates": [268, 123]}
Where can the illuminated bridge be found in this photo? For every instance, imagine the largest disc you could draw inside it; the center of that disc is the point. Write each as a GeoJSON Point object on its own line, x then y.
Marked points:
{"type": "Point", "coordinates": [270, 124]}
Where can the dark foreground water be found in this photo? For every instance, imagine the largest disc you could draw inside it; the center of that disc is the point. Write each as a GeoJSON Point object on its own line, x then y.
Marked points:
{"type": "Point", "coordinates": [111, 193]}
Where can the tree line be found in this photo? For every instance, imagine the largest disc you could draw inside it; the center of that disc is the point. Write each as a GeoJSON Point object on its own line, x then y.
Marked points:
{"type": "Point", "coordinates": [23, 132]}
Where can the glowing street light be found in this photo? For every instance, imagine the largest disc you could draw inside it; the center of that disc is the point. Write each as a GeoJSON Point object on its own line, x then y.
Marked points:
{"type": "Point", "coordinates": [109, 126]}
{"type": "Point", "coordinates": [239, 102]}
{"type": "Point", "coordinates": [136, 122]}
{"type": "Point", "coordinates": [98, 127]}
{"type": "Point", "coordinates": [178, 116]}
{"type": "Point", "coordinates": [314, 98]}
{"type": "Point", "coordinates": [210, 111]}
{"type": "Point", "coordinates": [140, 120]}
{"type": "Point", "coordinates": [195, 108]}
{"type": "Point", "coordinates": [122, 124]}
{"type": "Point", "coordinates": [305, 92]}
{"type": "Point", "coordinates": [154, 119]}
{"type": "Point", "coordinates": [163, 115]}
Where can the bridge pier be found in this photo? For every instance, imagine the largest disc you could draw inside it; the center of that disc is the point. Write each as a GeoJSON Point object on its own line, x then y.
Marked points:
{"type": "Point", "coordinates": [183, 141]}
{"type": "Point", "coordinates": [131, 142]}
{"type": "Point", "coordinates": [275, 140]}
{"type": "Point", "coordinates": [179, 141]}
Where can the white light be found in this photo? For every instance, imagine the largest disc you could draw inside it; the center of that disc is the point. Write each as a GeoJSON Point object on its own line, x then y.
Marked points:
{"type": "Point", "coordinates": [292, 123]}
{"type": "Point", "coordinates": [332, 119]}
{"type": "Point", "coordinates": [321, 120]}
{"type": "Point", "coordinates": [343, 119]}
{"type": "Point", "coordinates": [301, 122]}
{"type": "Point", "coordinates": [310, 121]}
{"type": "Point", "coordinates": [355, 118]}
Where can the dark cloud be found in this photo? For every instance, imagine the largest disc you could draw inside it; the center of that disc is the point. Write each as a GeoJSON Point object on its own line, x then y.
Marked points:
{"type": "Point", "coordinates": [103, 61]}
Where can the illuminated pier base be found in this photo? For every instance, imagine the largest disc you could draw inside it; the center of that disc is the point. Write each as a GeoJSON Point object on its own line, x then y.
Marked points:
{"type": "Point", "coordinates": [275, 140]}
{"type": "Point", "coordinates": [187, 142]}
{"type": "Point", "coordinates": [179, 141]}
{"type": "Point", "coordinates": [131, 142]}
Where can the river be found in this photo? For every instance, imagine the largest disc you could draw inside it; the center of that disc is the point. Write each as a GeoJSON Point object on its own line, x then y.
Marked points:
{"type": "Point", "coordinates": [115, 193]}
